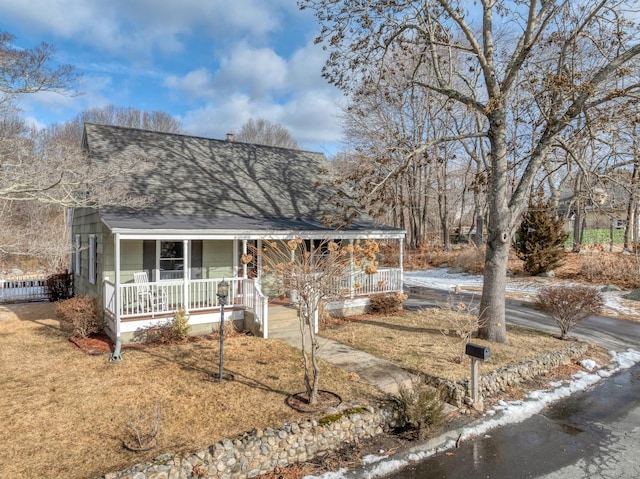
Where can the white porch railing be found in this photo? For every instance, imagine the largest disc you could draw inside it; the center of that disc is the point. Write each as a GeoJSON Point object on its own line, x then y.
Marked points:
{"type": "Point", "coordinates": [359, 283]}
{"type": "Point", "coordinates": [258, 303]}
{"type": "Point", "coordinates": [137, 300]}
{"type": "Point", "coordinates": [144, 299]}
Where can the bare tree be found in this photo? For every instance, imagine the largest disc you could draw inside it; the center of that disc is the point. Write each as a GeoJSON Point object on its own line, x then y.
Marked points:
{"type": "Point", "coordinates": [313, 273]}
{"type": "Point", "coordinates": [265, 132]}
{"type": "Point", "coordinates": [30, 71]}
{"type": "Point", "coordinates": [544, 65]}
{"type": "Point", "coordinates": [131, 118]}
{"type": "Point", "coordinates": [46, 171]}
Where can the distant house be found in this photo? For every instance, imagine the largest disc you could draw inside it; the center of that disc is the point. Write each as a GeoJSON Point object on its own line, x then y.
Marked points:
{"type": "Point", "coordinates": [596, 210]}
{"type": "Point", "coordinates": [213, 200]}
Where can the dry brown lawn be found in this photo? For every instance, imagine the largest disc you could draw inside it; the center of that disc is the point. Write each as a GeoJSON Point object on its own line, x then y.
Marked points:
{"type": "Point", "coordinates": [63, 412]}
{"type": "Point", "coordinates": [417, 340]}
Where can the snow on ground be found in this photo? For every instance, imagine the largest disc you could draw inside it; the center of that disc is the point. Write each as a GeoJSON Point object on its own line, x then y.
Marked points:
{"type": "Point", "coordinates": [503, 413]}
{"type": "Point", "coordinates": [440, 278]}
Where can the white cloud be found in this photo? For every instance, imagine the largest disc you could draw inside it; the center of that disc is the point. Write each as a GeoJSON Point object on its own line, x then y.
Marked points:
{"type": "Point", "coordinates": [213, 63]}
{"type": "Point", "coordinates": [195, 84]}
{"type": "Point", "coordinates": [136, 28]}
{"type": "Point", "coordinates": [260, 72]}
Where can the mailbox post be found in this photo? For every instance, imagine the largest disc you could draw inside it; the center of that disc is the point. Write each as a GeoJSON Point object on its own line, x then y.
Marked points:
{"type": "Point", "coordinates": [477, 353]}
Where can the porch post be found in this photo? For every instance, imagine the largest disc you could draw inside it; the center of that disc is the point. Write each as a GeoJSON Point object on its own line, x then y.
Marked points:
{"type": "Point", "coordinates": [401, 265]}
{"type": "Point", "coordinates": [244, 265]}
{"type": "Point", "coordinates": [352, 291]}
{"type": "Point", "coordinates": [259, 262]}
{"type": "Point", "coordinates": [186, 274]}
{"type": "Point", "coordinates": [115, 355]}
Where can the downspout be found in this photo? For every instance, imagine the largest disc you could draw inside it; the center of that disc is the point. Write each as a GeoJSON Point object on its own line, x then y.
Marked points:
{"type": "Point", "coordinates": [115, 355]}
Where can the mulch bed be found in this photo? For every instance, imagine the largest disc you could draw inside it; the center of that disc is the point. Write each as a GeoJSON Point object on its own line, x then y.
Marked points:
{"type": "Point", "coordinates": [326, 399]}
{"type": "Point", "coordinates": [94, 345]}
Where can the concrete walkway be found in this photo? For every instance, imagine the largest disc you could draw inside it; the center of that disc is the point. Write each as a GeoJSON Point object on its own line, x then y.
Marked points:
{"type": "Point", "coordinates": [383, 374]}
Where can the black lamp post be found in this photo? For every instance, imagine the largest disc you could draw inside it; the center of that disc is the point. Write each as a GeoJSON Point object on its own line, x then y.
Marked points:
{"type": "Point", "coordinates": [223, 292]}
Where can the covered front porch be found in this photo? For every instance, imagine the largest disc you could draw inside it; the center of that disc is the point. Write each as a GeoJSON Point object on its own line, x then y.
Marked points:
{"type": "Point", "coordinates": [155, 273]}
{"type": "Point", "coordinates": [145, 304]}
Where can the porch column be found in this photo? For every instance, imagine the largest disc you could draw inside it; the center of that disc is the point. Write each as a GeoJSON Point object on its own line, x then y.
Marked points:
{"type": "Point", "coordinates": [186, 274]}
{"type": "Point", "coordinates": [115, 356]}
{"type": "Point", "coordinates": [401, 265]}
{"type": "Point", "coordinates": [352, 291]}
{"type": "Point", "coordinates": [244, 265]}
{"type": "Point", "coordinates": [259, 262]}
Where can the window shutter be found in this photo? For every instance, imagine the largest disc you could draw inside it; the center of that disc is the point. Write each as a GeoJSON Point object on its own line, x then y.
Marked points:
{"type": "Point", "coordinates": [196, 259]}
{"type": "Point", "coordinates": [93, 263]}
{"type": "Point", "coordinates": [76, 266]}
{"type": "Point", "coordinates": [149, 258]}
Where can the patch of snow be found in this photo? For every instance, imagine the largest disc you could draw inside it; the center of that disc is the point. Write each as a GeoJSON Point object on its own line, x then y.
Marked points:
{"type": "Point", "coordinates": [441, 279]}
{"type": "Point", "coordinates": [339, 474]}
{"type": "Point", "coordinates": [372, 458]}
{"type": "Point", "coordinates": [505, 413]}
{"type": "Point", "coordinates": [589, 364]}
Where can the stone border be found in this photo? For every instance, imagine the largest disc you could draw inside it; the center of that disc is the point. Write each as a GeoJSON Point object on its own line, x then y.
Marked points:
{"type": "Point", "coordinates": [498, 380]}
{"type": "Point", "coordinates": [262, 450]}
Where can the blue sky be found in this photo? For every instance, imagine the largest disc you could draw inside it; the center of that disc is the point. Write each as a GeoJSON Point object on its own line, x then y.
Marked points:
{"type": "Point", "coordinates": [213, 64]}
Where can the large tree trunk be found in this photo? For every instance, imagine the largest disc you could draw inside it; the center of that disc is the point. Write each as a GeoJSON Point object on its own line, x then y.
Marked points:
{"type": "Point", "coordinates": [492, 305]}
{"type": "Point", "coordinates": [631, 208]}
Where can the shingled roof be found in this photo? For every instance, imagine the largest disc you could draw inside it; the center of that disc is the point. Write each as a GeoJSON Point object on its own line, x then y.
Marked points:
{"type": "Point", "coordinates": [199, 182]}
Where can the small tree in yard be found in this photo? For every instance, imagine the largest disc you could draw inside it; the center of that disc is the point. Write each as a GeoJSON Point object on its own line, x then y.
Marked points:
{"type": "Point", "coordinates": [312, 274]}
{"type": "Point", "coordinates": [540, 238]}
{"type": "Point", "coordinates": [568, 305]}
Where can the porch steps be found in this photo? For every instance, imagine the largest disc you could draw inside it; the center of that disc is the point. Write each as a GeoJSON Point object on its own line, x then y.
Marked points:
{"type": "Point", "coordinates": [283, 321]}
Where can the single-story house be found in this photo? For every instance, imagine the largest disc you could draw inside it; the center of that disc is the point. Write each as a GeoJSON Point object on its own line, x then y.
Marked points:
{"type": "Point", "coordinates": [211, 201]}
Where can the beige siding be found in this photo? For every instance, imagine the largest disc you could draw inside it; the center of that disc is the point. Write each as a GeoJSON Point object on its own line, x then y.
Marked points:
{"type": "Point", "coordinates": [217, 259]}
{"type": "Point", "coordinates": [130, 259]}
{"type": "Point", "coordinates": [108, 253]}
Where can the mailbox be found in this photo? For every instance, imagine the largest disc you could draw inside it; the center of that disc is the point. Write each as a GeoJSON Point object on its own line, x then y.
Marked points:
{"type": "Point", "coordinates": [476, 351]}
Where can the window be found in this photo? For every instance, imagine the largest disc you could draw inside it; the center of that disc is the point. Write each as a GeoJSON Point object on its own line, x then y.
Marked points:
{"type": "Point", "coordinates": [171, 260]}
{"type": "Point", "coordinates": [92, 259]}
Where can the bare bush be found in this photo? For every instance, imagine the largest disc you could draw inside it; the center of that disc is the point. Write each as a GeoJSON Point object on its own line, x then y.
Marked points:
{"type": "Point", "coordinates": [141, 431]}
{"type": "Point", "coordinates": [82, 313]}
{"type": "Point", "coordinates": [602, 267]}
{"type": "Point", "coordinates": [387, 303]}
{"type": "Point", "coordinates": [568, 305]}
{"type": "Point", "coordinates": [460, 326]}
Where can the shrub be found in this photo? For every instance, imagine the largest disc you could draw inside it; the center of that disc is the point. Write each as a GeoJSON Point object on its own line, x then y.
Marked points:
{"type": "Point", "coordinates": [83, 314]}
{"type": "Point", "coordinates": [180, 324]}
{"type": "Point", "coordinates": [421, 406]}
{"type": "Point", "coordinates": [539, 241]}
{"type": "Point", "coordinates": [471, 258]}
{"type": "Point", "coordinates": [169, 331]}
{"type": "Point", "coordinates": [160, 333]}
{"type": "Point", "coordinates": [59, 287]}
{"type": "Point", "coordinates": [386, 303]}
{"type": "Point", "coordinates": [568, 305]}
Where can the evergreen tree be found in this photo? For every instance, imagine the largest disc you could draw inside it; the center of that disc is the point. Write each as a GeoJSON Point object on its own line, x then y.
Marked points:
{"type": "Point", "coordinates": [539, 241]}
